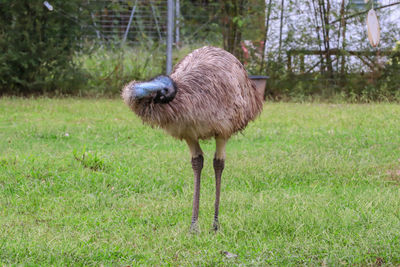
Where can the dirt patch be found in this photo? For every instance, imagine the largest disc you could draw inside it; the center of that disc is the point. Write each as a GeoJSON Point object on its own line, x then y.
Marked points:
{"type": "Point", "coordinates": [394, 173]}
{"type": "Point", "coordinates": [379, 262]}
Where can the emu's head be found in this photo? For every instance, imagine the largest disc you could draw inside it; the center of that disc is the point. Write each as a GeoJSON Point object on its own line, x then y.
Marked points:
{"type": "Point", "coordinates": [161, 89]}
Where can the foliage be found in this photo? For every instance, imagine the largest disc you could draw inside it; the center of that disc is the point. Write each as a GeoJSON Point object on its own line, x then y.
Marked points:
{"type": "Point", "coordinates": [54, 52]}
{"type": "Point", "coordinates": [232, 26]}
{"type": "Point", "coordinates": [108, 69]}
{"type": "Point", "coordinates": [37, 45]}
{"type": "Point", "coordinates": [357, 87]}
{"type": "Point", "coordinates": [390, 78]}
{"type": "Point", "coordinates": [305, 184]}
{"type": "Point", "coordinates": [200, 21]}
{"type": "Point", "coordinates": [319, 27]}
{"type": "Point", "coordinates": [90, 160]}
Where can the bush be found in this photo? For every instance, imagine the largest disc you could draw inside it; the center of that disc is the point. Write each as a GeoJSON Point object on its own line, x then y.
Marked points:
{"type": "Point", "coordinates": [109, 69]}
{"type": "Point", "coordinates": [37, 46]}
{"type": "Point", "coordinates": [390, 79]}
{"type": "Point", "coordinates": [381, 85]}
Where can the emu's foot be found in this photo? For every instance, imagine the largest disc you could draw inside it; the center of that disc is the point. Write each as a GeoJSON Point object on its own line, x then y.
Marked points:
{"type": "Point", "coordinates": [194, 228]}
{"type": "Point", "coordinates": [215, 226]}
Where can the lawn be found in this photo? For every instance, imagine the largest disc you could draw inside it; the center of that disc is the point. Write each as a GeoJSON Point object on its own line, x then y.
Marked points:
{"type": "Point", "coordinates": [84, 182]}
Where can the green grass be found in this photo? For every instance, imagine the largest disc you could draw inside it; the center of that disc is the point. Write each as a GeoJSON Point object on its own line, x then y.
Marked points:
{"type": "Point", "coordinates": [84, 182]}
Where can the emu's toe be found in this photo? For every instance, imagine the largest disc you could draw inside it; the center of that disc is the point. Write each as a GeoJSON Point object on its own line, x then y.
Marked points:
{"type": "Point", "coordinates": [194, 228]}
{"type": "Point", "coordinates": [215, 226]}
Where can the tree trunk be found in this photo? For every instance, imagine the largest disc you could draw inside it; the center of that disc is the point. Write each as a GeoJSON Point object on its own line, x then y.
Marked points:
{"type": "Point", "coordinates": [317, 29]}
{"type": "Point", "coordinates": [268, 14]}
{"type": "Point", "coordinates": [232, 22]}
{"type": "Point", "coordinates": [341, 15]}
{"type": "Point", "coordinates": [280, 31]}
{"type": "Point", "coordinates": [325, 12]}
{"type": "Point", "coordinates": [343, 63]}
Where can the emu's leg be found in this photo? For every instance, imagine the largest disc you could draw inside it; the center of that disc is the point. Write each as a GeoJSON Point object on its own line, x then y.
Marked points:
{"type": "Point", "coordinates": [219, 163]}
{"type": "Point", "coordinates": [197, 165]}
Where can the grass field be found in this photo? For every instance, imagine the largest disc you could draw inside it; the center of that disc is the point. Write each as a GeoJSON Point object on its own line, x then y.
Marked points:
{"type": "Point", "coordinates": [84, 182]}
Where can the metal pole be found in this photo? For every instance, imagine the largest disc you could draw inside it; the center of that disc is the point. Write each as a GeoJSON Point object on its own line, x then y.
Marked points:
{"type": "Point", "coordinates": [170, 26]}
{"type": "Point", "coordinates": [129, 23]}
{"type": "Point", "coordinates": [177, 14]}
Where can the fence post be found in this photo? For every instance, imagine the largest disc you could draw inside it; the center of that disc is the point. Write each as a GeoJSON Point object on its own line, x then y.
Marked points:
{"type": "Point", "coordinates": [177, 15]}
{"type": "Point", "coordinates": [170, 28]}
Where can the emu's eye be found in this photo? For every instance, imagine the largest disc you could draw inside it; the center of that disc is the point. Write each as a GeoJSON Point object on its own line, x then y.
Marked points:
{"type": "Point", "coordinates": [164, 95]}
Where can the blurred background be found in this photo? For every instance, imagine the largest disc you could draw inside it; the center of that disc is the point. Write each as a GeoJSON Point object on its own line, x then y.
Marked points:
{"type": "Point", "coordinates": [310, 50]}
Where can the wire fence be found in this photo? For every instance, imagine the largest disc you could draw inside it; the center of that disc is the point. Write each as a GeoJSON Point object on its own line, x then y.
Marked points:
{"type": "Point", "coordinates": [143, 21]}
{"type": "Point", "coordinates": [132, 21]}
{"type": "Point", "coordinates": [139, 22]}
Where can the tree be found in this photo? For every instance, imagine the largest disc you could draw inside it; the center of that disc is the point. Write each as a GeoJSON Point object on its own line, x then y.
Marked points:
{"type": "Point", "coordinates": [37, 45]}
{"type": "Point", "coordinates": [232, 23]}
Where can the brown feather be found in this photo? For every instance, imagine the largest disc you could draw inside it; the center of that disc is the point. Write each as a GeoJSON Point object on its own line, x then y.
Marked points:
{"type": "Point", "coordinates": [215, 97]}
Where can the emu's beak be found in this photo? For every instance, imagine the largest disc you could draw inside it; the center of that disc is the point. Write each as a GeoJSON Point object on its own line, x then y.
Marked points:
{"type": "Point", "coordinates": [134, 90]}
{"type": "Point", "coordinates": [161, 90]}
{"type": "Point", "coordinates": [141, 90]}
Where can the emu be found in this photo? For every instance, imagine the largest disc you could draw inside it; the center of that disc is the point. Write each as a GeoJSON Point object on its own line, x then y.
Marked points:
{"type": "Point", "coordinates": [208, 95]}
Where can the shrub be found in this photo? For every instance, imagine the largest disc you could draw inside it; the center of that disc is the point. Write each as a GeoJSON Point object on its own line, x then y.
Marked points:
{"type": "Point", "coordinates": [108, 69]}
{"type": "Point", "coordinates": [37, 45]}
{"type": "Point", "coordinates": [390, 79]}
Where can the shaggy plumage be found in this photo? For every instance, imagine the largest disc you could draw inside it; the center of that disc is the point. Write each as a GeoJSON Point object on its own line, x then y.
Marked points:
{"type": "Point", "coordinates": [214, 97]}
{"type": "Point", "coordinates": [207, 95]}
